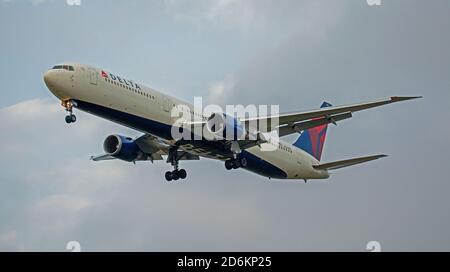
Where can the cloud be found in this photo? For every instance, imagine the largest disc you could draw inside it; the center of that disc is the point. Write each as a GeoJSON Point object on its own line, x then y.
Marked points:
{"type": "Point", "coordinates": [8, 241]}
{"type": "Point", "coordinates": [314, 24]}
{"type": "Point", "coordinates": [34, 2]}
{"type": "Point", "coordinates": [62, 196]}
{"type": "Point", "coordinates": [245, 16]}
{"type": "Point", "coordinates": [57, 213]}
{"type": "Point", "coordinates": [29, 119]}
{"type": "Point", "coordinates": [30, 110]}
{"type": "Point", "coordinates": [220, 91]}
{"type": "Point", "coordinates": [34, 137]}
{"type": "Point", "coordinates": [235, 13]}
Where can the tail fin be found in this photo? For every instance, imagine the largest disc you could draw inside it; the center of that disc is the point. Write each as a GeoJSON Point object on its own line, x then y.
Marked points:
{"type": "Point", "coordinates": [313, 139]}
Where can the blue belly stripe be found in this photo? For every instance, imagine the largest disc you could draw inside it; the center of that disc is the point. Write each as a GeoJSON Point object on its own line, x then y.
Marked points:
{"type": "Point", "coordinates": [259, 166]}
{"type": "Point", "coordinates": [129, 120]}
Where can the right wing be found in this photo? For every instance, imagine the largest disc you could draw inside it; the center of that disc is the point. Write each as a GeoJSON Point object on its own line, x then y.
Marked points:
{"type": "Point", "coordinates": [287, 122]}
{"type": "Point", "coordinates": [346, 163]}
{"type": "Point", "coordinates": [290, 123]}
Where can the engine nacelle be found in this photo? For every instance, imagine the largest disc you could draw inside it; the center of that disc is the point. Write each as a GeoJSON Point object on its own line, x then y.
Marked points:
{"type": "Point", "coordinates": [123, 148]}
{"type": "Point", "coordinates": [226, 127]}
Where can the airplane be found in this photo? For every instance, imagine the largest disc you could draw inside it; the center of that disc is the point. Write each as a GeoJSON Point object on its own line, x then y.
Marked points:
{"type": "Point", "coordinates": [109, 96]}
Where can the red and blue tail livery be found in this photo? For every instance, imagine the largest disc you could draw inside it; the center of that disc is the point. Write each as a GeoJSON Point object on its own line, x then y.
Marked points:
{"type": "Point", "coordinates": [312, 140]}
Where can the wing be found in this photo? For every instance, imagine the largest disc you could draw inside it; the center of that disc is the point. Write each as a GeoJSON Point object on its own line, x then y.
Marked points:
{"type": "Point", "coordinates": [290, 123]}
{"type": "Point", "coordinates": [153, 147]}
{"type": "Point", "coordinates": [308, 119]}
{"type": "Point", "coordinates": [346, 163]}
{"type": "Point", "coordinates": [150, 144]}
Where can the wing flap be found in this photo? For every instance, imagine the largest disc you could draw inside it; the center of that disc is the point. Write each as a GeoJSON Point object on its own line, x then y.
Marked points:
{"type": "Point", "coordinates": [299, 127]}
{"type": "Point", "coordinates": [345, 163]}
{"type": "Point", "coordinates": [152, 145]}
{"type": "Point", "coordinates": [185, 156]}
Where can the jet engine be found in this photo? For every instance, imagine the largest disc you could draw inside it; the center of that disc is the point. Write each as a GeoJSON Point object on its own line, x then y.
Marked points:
{"type": "Point", "coordinates": [123, 148]}
{"type": "Point", "coordinates": [225, 127]}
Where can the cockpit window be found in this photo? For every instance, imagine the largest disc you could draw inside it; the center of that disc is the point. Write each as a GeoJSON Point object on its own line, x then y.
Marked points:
{"type": "Point", "coordinates": [64, 67]}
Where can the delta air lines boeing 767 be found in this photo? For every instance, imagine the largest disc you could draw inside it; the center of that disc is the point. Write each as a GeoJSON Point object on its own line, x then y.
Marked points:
{"type": "Point", "coordinates": [133, 105]}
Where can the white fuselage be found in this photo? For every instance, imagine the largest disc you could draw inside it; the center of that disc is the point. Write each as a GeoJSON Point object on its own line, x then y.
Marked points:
{"type": "Point", "coordinates": [88, 84]}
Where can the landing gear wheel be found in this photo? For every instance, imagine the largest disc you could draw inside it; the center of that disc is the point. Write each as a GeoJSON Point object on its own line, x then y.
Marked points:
{"type": "Point", "coordinates": [182, 173]}
{"type": "Point", "coordinates": [168, 176]}
{"type": "Point", "coordinates": [236, 164]}
{"type": "Point", "coordinates": [71, 118]}
{"type": "Point", "coordinates": [243, 162]}
{"type": "Point", "coordinates": [229, 164]}
{"type": "Point", "coordinates": [175, 175]}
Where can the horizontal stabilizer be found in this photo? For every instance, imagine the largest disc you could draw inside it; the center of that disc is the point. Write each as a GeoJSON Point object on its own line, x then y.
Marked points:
{"type": "Point", "coordinates": [346, 163]}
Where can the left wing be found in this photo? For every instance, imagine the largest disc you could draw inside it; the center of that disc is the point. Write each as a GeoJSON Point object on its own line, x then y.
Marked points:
{"type": "Point", "coordinates": [153, 149]}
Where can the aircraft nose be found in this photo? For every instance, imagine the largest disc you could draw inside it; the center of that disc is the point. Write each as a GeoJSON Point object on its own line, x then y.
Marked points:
{"type": "Point", "coordinates": [49, 78]}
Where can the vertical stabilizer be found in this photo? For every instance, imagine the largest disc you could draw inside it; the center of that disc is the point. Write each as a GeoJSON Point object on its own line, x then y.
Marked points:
{"type": "Point", "coordinates": [313, 139]}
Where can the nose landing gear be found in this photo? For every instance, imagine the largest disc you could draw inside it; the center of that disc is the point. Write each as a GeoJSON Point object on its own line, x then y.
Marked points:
{"type": "Point", "coordinates": [70, 117]}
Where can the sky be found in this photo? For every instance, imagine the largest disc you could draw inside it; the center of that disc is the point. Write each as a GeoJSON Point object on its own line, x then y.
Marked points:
{"type": "Point", "coordinates": [292, 53]}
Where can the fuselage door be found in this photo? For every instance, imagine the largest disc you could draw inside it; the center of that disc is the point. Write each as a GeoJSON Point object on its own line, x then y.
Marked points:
{"type": "Point", "coordinates": [93, 76]}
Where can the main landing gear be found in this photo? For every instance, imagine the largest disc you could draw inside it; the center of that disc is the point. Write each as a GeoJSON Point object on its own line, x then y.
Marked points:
{"type": "Point", "coordinates": [70, 117]}
{"type": "Point", "coordinates": [176, 174]}
{"type": "Point", "coordinates": [236, 163]}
